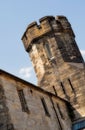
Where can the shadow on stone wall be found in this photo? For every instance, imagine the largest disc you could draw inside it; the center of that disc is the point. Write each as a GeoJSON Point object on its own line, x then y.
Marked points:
{"type": "Point", "coordinates": [69, 51]}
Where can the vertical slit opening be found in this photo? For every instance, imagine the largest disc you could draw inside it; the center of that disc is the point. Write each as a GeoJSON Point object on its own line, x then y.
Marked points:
{"type": "Point", "coordinates": [48, 51]}
{"type": "Point", "coordinates": [55, 90]}
{"type": "Point", "coordinates": [60, 111]}
{"type": "Point", "coordinates": [63, 88]}
{"type": "Point", "coordinates": [45, 107]}
{"type": "Point", "coordinates": [64, 91]}
{"type": "Point", "coordinates": [23, 101]}
{"type": "Point", "coordinates": [71, 85]}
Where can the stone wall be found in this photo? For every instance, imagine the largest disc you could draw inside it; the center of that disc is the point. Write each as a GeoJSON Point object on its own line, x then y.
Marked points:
{"type": "Point", "coordinates": [5, 121]}
{"type": "Point", "coordinates": [42, 111]}
{"type": "Point", "coordinates": [57, 61]}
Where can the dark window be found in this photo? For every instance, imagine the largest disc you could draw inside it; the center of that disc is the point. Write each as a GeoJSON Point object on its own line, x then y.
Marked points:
{"type": "Point", "coordinates": [57, 116]}
{"type": "Point", "coordinates": [31, 91]}
{"type": "Point", "coordinates": [63, 88]}
{"type": "Point", "coordinates": [45, 106]}
{"type": "Point", "coordinates": [60, 112]}
{"type": "Point", "coordinates": [55, 90]}
{"type": "Point", "coordinates": [23, 101]}
{"type": "Point", "coordinates": [64, 91]}
{"type": "Point", "coordinates": [48, 51]}
{"type": "Point", "coordinates": [71, 85]}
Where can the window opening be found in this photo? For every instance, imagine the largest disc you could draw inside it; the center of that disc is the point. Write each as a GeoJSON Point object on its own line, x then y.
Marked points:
{"type": "Point", "coordinates": [23, 101]}
{"type": "Point", "coordinates": [55, 90]}
{"type": "Point", "coordinates": [64, 91]}
{"type": "Point", "coordinates": [31, 91]}
{"type": "Point", "coordinates": [71, 85]}
{"type": "Point", "coordinates": [60, 111]}
{"type": "Point", "coordinates": [63, 88]}
{"type": "Point", "coordinates": [48, 51]}
{"type": "Point", "coordinates": [58, 119]}
{"type": "Point", "coordinates": [45, 107]}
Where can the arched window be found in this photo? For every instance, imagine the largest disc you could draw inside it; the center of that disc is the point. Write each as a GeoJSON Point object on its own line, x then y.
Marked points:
{"type": "Point", "coordinates": [48, 51]}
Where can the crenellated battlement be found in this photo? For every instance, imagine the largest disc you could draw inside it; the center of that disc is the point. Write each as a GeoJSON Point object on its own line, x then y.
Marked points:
{"type": "Point", "coordinates": [47, 24]}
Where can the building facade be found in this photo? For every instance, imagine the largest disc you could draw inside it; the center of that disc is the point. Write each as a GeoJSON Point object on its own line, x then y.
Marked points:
{"type": "Point", "coordinates": [57, 61]}
{"type": "Point", "coordinates": [58, 102]}
{"type": "Point", "coordinates": [24, 106]}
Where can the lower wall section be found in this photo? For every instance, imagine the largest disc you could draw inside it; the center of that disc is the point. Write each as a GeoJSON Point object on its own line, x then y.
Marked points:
{"type": "Point", "coordinates": [34, 109]}
{"type": "Point", "coordinates": [5, 121]}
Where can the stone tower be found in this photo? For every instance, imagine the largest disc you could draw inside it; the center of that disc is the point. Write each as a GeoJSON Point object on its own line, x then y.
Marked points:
{"type": "Point", "coordinates": [56, 58]}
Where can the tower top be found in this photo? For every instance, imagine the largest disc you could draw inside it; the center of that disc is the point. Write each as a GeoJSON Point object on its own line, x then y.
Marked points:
{"type": "Point", "coordinates": [59, 24]}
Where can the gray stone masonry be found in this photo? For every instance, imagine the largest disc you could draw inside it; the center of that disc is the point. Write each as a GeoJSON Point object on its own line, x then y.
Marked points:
{"type": "Point", "coordinates": [57, 61]}
{"type": "Point", "coordinates": [43, 111]}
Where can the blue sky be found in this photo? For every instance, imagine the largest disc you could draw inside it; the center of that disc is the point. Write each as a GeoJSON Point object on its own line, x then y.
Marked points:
{"type": "Point", "coordinates": [15, 17]}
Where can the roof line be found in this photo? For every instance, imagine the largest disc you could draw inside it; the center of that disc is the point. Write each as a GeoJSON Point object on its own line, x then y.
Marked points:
{"type": "Point", "coordinates": [32, 85]}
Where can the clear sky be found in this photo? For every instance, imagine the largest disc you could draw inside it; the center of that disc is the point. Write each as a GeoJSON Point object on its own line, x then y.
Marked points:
{"type": "Point", "coordinates": [15, 15]}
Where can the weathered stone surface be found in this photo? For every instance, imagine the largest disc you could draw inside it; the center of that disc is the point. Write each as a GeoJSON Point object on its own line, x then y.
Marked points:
{"type": "Point", "coordinates": [59, 100]}
{"type": "Point", "coordinates": [37, 117]}
{"type": "Point", "coordinates": [4, 111]}
{"type": "Point", "coordinates": [57, 61]}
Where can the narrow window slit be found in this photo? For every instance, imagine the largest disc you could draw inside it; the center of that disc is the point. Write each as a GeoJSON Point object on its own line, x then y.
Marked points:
{"type": "Point", "coordinates": [57, 115]}
{"type": "Point", "coordinates": [45, 107]}
{"type": "Point", "coordinates": [48, 51]}
{"type": "Point", "coordinates": [71, 85]}
{"type": "Point", "coordinates": [31, 91]}
{"type": "Point", "coordinates": [64, 91]}
{"type": "Point", "coordinates": [63, 88]}
{"type": "Point", "coordinates": [23, 101]}
{"type": "Point", "coordinates": [55, 90]}
{"type": "Point", "coordinates": [60, 111]}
